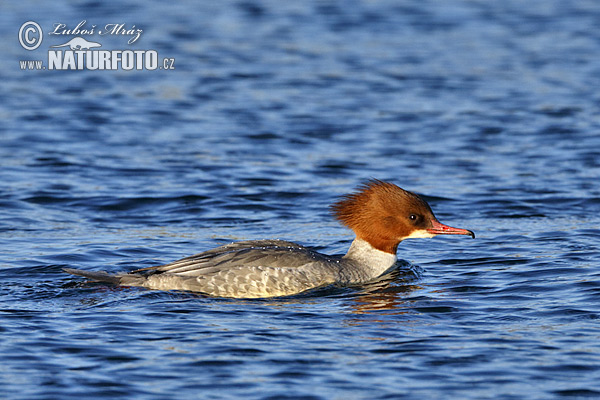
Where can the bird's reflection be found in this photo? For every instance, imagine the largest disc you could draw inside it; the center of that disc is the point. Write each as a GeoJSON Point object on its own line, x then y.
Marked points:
{"type": "Point", "coordinates": [390, 291]}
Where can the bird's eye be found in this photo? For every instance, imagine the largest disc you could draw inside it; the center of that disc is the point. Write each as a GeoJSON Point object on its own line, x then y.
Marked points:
{"type": "Point", "coordinates": [415, 219]}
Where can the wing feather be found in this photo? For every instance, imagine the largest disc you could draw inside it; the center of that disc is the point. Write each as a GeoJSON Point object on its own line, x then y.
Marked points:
{"type": "Point", "coordinates": [254, 253]}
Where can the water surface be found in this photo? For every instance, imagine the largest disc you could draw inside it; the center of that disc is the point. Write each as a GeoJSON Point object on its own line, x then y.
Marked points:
{"type": "Point", "coordinates": [490, 110]}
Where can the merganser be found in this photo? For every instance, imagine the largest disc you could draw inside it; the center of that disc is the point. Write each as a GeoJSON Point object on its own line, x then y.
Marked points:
{"type": "Point", "coordinates": [380, 213]}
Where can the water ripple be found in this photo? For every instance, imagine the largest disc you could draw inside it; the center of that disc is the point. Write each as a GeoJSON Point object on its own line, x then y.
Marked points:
{"type": "Point", "coordinates": [275, 109]}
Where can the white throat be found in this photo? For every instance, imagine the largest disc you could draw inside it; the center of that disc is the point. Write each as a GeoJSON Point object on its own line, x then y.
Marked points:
{"type": "Point", "coordinates": [421, 234]}
{"type": "Point", "coordinates": [372, 261]}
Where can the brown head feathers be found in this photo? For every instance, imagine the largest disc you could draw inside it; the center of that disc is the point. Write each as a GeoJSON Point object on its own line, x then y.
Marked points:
{"type": "Point", "coordinates": [384, 214]}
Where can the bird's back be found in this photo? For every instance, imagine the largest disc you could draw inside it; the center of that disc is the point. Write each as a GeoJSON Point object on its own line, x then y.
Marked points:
{"type": "Point", "coordinates": [248, 269]}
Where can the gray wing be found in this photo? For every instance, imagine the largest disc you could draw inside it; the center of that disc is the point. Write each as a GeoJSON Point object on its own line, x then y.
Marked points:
{"type": "Point", "coordinates": [252, 253]}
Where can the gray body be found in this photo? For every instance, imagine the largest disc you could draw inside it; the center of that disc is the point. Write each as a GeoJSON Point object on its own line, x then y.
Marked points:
{"type": "Point", "coordinates": [252, 269]}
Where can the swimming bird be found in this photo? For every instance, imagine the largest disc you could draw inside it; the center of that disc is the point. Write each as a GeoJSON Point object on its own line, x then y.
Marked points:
{"type": "Point", "coordinates": [380, 213]}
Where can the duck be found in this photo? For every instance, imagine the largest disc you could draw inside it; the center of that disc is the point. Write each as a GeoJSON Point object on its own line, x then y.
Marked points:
{"type": "Point", "coordinates": [380, 213]}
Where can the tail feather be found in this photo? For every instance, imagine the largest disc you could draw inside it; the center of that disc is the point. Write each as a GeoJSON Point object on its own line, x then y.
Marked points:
{"type": "Point", "coordinates": [100, 276]}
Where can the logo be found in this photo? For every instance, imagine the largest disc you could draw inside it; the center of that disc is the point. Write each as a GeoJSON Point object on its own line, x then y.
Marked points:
{"type": "Point", "coordinates": [27, 35]}
{"type": "Point", "coordinates": [81, 53]}
{"type": "Point", "coordinates": [79, 43]}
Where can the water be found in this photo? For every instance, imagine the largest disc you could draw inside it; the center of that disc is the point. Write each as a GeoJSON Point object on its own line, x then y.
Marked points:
{"type": "Point", "coordinates": [490, 109]}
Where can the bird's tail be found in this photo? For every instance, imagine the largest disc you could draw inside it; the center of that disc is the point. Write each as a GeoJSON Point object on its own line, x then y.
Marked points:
{"type": "Point", "coordinates": [99, 276]}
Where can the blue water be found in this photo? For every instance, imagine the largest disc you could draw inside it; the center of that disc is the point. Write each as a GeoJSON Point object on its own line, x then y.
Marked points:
{"type": "Point", "coordinates": [274, 109]}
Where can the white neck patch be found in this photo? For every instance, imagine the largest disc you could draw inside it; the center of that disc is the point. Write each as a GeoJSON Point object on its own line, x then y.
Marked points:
{"type": "Point", "coordinates": [374, 262]}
